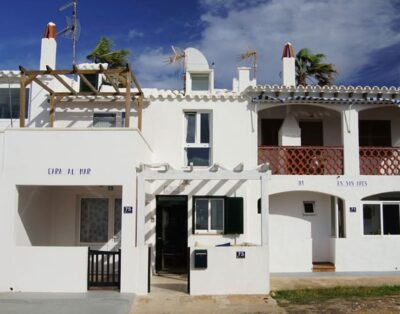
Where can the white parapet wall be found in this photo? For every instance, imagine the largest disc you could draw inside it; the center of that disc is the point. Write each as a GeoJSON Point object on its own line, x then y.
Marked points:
{"type": "Point", "coordinates": [291, 255]}
{"type": "Point", "coordinates": [55, 269]}
{"type": "Point", "coordinates": [228, 274]}
{"type": "Point", "coordinates": [369, 253]}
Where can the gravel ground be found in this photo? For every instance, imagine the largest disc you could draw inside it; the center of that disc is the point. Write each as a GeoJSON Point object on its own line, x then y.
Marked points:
{"type": "Point", "coordinates": [381, 305]}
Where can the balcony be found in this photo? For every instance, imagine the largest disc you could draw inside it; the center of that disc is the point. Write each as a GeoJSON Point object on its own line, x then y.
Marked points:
{"type": "Point", "coordinates": [302, 160]}
{"type": "Point", "coordinates": [379, 161]}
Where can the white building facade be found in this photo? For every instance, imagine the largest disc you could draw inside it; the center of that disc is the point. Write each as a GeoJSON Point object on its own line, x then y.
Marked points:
{"type": "Point", "coordinates": [225, 185]}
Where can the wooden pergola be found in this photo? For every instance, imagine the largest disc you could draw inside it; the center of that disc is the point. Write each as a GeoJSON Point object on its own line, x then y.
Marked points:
{"type": "Point", "coordinates": [119, 78]}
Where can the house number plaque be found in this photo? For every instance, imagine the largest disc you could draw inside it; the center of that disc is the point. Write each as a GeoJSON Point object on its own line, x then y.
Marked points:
{"type": "Point", "coordinates": [128, 209]}
{"type": "Point", "coordinates": [240, 254]}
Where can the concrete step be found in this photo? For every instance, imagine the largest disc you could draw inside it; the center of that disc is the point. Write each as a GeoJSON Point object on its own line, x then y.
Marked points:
{"type": "Point", "coordinates": [319, 267]}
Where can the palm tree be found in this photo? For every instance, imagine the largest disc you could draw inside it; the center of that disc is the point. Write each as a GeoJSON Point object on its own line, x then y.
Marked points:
{"type": "Point", "coordinates": [309, 66]}
{"type": "Point", "coordinates": [103, 53]}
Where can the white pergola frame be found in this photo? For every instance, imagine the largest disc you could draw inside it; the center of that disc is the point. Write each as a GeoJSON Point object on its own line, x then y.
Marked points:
{"type": "Point", "coordinates": [215, 172]}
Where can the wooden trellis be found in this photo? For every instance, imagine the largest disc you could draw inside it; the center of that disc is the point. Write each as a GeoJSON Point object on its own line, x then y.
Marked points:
{"type": "Point", "coordinates": [119, 78]}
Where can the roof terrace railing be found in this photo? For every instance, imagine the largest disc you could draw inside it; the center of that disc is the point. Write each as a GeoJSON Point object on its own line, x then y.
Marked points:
{"type": "Point", "coordinates": [302, 160]}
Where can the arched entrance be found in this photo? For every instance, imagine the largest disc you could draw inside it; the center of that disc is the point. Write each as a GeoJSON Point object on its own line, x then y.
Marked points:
{"type": "Point", "coordinates": [302, 226]}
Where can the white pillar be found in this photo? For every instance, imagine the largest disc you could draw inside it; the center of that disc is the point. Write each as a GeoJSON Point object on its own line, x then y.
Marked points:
{"type": "Point", "coordinates": [128, 228]}
{"type": "Point", "coordinates": [351, 149]}
{"type": "Point", "coordinates": [264, 209]}
{"type": "Point", "coordinates": [140, 212]}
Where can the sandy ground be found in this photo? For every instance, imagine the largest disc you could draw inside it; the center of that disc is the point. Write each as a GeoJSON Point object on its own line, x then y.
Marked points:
{"type": "Point", "coordinates": [168, 295]}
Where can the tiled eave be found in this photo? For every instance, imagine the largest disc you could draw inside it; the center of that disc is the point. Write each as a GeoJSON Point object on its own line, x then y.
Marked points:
{"type": "Point", "coordinates": [325, 94]}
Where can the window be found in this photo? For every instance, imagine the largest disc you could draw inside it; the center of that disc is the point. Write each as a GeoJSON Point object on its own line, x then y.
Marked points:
{"type": "Point", "coordinates": [108, 120]}
{"type": "Point", "coordinates": [197, 141]}
{"type": "Point", "coordinates": [375, 133]}
{"type": "Point", "coordinates": [9, 103]}
{"type": "Point", "coordinates": [218, 215]}
{"type": "Point", "coordinates": [100, 219]}
{"type": "Point", "coordinates": [209, 214]}
{"type": "Point", "coordinates": [200, 82]}
{"type": "Point", "coordinates": [381, 218]}
{"type": "Point", "coordinates": [308, 208]}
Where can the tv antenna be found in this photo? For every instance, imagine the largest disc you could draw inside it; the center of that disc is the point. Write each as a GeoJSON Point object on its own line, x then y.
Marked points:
{"type": "Point", "coordinates": [250, 54]}
{"type": "Point", "coordinates": [177, 56]}
{"type": "Point", "coordinates": [73, 29]}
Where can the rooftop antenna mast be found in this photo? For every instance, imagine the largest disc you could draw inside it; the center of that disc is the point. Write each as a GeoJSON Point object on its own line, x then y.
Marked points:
{"type": "Point", "coordinates": [73, 29]}
{"type": "Point", "coordinates": [178, 56]}
{"type": "Point", "coordinates": [250, 54]}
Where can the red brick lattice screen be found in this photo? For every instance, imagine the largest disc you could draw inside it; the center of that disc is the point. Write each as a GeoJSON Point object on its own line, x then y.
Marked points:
{"type": "Point", "coordinates": [301, 160]}
{"type": "Point", "coordinates": [379, 161]}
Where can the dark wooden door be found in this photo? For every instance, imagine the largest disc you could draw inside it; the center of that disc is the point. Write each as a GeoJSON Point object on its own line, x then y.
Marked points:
{"type": "Point", "coordinates": [311, 133]}
{"type": "Point", "coordinates": [171, 234]}
{"type": "Point", "coordinates": [270, 131]}
{"type": "Point", "coordinates": [375, 133]}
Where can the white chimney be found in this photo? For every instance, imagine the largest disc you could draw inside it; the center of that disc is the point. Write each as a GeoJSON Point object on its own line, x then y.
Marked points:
{"type": "Point", "coordinates": [288, 65]}
{"type": "Point", "coordinates": [243, 81]}
{"type": "Point", "coordinates": [49, 47]}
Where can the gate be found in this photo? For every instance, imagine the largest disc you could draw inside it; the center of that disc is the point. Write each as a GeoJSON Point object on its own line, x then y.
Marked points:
{"type": "Point", "coordinates": [104, 269]}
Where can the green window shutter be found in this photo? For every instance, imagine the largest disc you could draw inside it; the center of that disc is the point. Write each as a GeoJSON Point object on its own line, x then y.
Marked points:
{"type": "Point", "coordinates": [233, 215]}
{"type": "Point", "coordinates": [93, 79]}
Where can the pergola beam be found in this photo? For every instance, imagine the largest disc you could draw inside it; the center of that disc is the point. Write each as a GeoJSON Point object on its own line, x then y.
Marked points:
{"type": "Point", "coordinates": [123, 75]}
{"type": "Point", "coordinates": [83, 78]}
{"type": "Point", "coordinates": [61, 80]}
{"type": "Point", "coordinates": [110, 79]}
{"type": "Point", "coordinates": [128, 102]}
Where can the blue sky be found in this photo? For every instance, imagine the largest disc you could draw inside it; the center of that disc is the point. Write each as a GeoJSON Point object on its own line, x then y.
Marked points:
{"type": "Point", "coordinates": [360, 36]}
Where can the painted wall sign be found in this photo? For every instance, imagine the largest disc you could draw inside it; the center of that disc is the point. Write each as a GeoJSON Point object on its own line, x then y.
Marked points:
{"type": "Point", "coordinates": [69, 171]}
{"type": "Point", "coordinates": [240, 254]}
{"type": "Point", "coordinates": [353, 209]}
{"type": "Point", "coordinates": [351, 183]}
{"type": "Point", "coordinates": [128, 209]}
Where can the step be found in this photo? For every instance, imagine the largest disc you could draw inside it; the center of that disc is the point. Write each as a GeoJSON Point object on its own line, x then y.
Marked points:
{"type": "Point", "coordinates": [320, 267]}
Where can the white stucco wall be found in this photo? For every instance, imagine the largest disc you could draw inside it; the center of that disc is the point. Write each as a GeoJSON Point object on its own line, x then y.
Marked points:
{"type": "Point", "coordinates": [33, 221]}
{"type": "Point", "coordinates": [297, 240]}
{"type": "Point", "coordinates": [227, 274]}
{"type": "Point", "coordinates": [55, 269]}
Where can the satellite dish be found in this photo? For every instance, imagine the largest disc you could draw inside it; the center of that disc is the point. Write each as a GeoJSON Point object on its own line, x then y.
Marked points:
{"type": "Point", "coordinates": [250, 54]}
{"type": "Point", "coordinates": [73, 29]}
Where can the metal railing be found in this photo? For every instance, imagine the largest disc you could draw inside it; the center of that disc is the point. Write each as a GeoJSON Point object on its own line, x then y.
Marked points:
{"type": "Point", "coordinates": [379, 161]}
{"type": "Point", "coordinates": [302, 160]}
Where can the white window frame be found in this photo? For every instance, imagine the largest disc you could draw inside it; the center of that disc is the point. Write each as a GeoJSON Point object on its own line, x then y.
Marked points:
{"type": "Point", "coordinates": [197, 141]}
{"type": "Point", "coordinates": [209, 230]}
{"type": "Point", "coordinates": [110, 229]}
{"type": "Point", "coordinates": [380, 203]}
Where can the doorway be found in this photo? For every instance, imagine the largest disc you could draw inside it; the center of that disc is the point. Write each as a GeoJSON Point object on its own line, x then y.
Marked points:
{"type": "Point", "coordinates": [171, 234]}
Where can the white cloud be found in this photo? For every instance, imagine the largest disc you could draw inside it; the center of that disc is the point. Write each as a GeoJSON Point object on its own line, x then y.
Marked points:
{"type": "Point", "coordinates": [154, 71]}
{"type": "Point", "coordinates": [347, 31]}
{"type": "Point", "coordinates": [134, 34]}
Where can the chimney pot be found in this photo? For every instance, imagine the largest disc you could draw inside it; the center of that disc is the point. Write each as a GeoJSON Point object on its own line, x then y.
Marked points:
{"type": "Point", "coordinates": [50, 31]}
{"type": "Point", "coordinates": [288, 51]}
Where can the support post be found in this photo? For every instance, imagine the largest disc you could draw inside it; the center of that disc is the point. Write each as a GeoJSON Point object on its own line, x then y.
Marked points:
{"type": "Point", "coordinates": [22, 101]}
{"type": "Point", "coordinates": [140, 211]}
{"type": "Point", "coordinates": [351, 146]}
{"type": "Point", "coordinates": [128, 101]}
{"type": "Point", "coordinates": [264, 209]}
{"type": "Point", "coordinates": [52, 112]}
{"type": "Point", "coordinates": [140, 112]}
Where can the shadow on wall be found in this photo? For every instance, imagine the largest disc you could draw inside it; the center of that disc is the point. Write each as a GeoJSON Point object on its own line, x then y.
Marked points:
{"type": "Point", "coordinates": [193, 191]}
